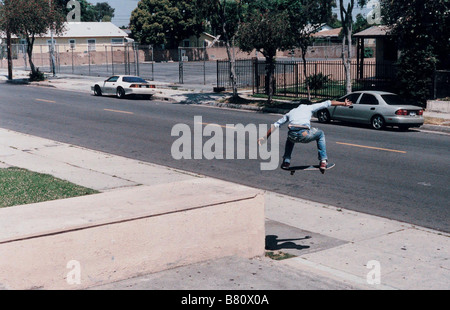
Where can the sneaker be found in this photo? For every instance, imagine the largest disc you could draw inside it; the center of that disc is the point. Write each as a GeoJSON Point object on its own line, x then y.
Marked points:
{"type": "Point", "coordinates": [323, 166]}
{"type": "Point", "coordinates": [285, 165]}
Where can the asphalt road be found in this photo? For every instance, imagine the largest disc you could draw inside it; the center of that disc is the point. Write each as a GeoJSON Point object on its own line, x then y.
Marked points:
{"type": "Point", "coordinates": [393, 174]}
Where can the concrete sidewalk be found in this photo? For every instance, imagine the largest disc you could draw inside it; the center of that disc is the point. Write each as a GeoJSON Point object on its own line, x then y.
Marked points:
{"type": "Point", "coordinates": [334, 248]}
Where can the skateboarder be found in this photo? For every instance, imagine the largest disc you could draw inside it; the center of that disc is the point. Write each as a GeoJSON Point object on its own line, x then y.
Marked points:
{"type": "Point", "coordinates": [300, 130]}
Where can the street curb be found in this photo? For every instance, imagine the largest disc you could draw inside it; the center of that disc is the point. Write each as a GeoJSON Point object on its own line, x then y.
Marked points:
{"type": "Point", "coordinates": [19, 81]}
{"type": "Point", "coordinates": [437, 128]}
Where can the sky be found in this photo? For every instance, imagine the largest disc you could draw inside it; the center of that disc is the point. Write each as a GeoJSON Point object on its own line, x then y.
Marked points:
{"type": "Point", "coordinates": [125, 7]}
{"type": "Point", "coordinates": [123, 10]}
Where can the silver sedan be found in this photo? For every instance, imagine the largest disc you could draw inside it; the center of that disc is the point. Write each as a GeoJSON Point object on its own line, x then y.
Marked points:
{"type": "Point", "coordinates": [377, 108]}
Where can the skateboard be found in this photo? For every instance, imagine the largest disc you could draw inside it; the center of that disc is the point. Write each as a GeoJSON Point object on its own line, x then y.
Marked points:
{"type": "Point", "coordinates": [308, 168]}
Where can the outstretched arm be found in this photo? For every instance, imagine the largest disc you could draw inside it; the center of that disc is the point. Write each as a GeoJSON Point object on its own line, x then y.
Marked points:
{"type": "Point", "coordinates": [269, 132]}
{"type": "Point", "coordinates": [346, 103]}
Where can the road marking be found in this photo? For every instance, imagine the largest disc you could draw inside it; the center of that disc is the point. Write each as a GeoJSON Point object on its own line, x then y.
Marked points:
{"type": "Point", "coordinates": [118, 111]}
{"type": "Point", "coordinates": [217, 125]}
{"type": "Point", "coordinates": [48, 101]}
{"type": "Point", "coordinates": [372, 148]}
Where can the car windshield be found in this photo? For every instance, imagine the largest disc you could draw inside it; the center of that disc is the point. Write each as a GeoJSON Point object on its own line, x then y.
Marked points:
{"type": "Point", "coordinates": [393, 100]}
{"type": "Point", "coordinates": [133, 79]}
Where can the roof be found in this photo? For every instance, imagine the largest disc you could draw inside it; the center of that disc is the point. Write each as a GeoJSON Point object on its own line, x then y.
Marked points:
{"type": "Point", "coordinates": [86, 29]}
{"type": "Point", "coordinates": [328, 33]}
{"type": "Point", "coordinates": [91, 29]}
{"type": "Point", "coordinates": [373, 32]}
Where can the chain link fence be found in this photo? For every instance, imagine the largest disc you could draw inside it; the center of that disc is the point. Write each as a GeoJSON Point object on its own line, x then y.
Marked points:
{"type": "Point", "coordinates": [190, 65]}
{"type": "Point", "coordinates": [85, 59]}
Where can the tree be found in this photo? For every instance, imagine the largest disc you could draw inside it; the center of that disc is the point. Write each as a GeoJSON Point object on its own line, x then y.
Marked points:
{"type": "Point", "coordinates": [225, 17]}
{"type": "Point", "coordinates": [346, 13]}
{"type": "Point", "coordinates": [421, 30]}
{"type": "Point", "coordinates": [30, 18]}
{"type": "Point", "coordinates": [103, 12]}
{"type": "Point", "coordinates": [266, 30]}
{"type": "Point", "coordinates": [5, 21]}
{"type": "Point", "coordinates": [306, 17]}
{"type": "Point", "coordinates": [165, 22]}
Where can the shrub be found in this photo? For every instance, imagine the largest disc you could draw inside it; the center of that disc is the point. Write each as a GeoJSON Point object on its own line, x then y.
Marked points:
{"type": "Point", "coordinates": [37, 76]}
{"type": "Point", "coordinates": [317, 81]}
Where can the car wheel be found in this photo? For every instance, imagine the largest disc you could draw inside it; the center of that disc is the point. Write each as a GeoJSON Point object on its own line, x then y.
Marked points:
{"type": "Point", "coordinates": [378, 122]}
{"type": "Point", "coordinates": [120, 93]}
{"type": "Point", "coordinates": [97, 90]}
{"type": "Point", "coordinates": [323, 116]}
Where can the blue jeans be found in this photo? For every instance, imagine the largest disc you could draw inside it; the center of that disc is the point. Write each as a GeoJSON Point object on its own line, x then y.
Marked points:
{"type": "Point", "coordinates": [305, 136]}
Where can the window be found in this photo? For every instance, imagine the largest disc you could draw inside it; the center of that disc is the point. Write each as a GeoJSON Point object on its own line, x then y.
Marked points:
{"type": "Point", "coordinates": [112, 79]}
{"type": "Point", "coordinates": [91, 44]}
{"type": "Point", "coordinates": [117, 41]}
{"type": "Point", "coordinates": [393, 100]}
{"type": "Point", "coordinates": [368, 99]}
{"type": "Point", "coordinates": [352, 97]}
{"type": "Point", "coordinates": [186, 43]}
{"type": "Point", "coordinates": [133, 79]}
{"type": "Point", "coordinates": [23, 46]}
{"type": "Point", "coordinates": [49, 42]}
{"type": "Point", "coordinates": [72, 43]}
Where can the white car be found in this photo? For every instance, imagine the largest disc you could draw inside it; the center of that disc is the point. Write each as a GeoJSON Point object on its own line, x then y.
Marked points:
{"type": "Point", "coordinates": [124, 85]}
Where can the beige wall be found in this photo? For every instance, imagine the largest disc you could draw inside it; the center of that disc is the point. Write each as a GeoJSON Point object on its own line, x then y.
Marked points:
{"type": "Point", "coordinates": [81, 44]}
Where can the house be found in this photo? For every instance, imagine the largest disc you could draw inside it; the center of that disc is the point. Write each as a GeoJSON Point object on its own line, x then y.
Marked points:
{"type": "Point", "coordinates": [328, 36]}
{"type": "Point", "coordinates": [387, 53]}
{"type": "Point", "coordinates": [386, 50]}
{"type": "Point", "coordinates": [204, 40]}
{"type": "Point", "coordinates": [80, 37]}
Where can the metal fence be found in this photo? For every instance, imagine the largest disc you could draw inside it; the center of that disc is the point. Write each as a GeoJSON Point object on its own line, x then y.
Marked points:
{"type": "Point", "coordinates": [243, 70]}
{"type": "Point", "coordinates": [183, 65]}
{"type": "Point", "coordinates": [84, 59]}
{"type": "Point", "coordinates": [326, 79]}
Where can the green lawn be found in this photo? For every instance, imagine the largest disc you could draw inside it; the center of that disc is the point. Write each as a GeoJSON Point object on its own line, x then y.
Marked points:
{"type": "Point", "coordinates": [19, 186]}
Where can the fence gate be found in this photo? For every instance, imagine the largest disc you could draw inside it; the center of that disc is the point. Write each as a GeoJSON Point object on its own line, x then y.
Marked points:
{"type": "Point", "coordinates": [194, 66]}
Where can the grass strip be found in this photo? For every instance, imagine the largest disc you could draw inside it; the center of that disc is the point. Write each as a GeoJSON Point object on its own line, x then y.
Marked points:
{"type": "Point", "coordinates": [20, 186]}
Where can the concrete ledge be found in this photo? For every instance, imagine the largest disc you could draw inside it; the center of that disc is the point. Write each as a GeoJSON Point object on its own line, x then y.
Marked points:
{"type": "Point", "coordinates": [438, 106]}
{"type": "Point", "coordinates": [125, 233]}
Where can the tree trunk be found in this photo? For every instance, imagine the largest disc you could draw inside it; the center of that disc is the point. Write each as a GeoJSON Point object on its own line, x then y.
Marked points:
{"type": "Point", "coordinates": [346, 62]}
{"type": "Point", "coordinates": [304, 50]}
{"type": "Point", "coordinates": [232, 60]}
{"type": "Point", "coordinates": [270, 68]}
{"type": "Point", "coordinates": [30, 43]}
{"type": "Point", "coordinates": [349, 62]}
{"type": "Point", "coordinates": [346, 18]}
{"type": "Point", "coordinates": [231, 57]}
{"type": "Point", "coordinates": [9, 52]}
